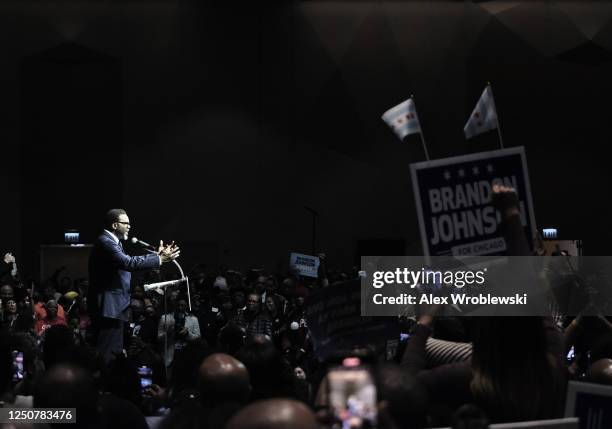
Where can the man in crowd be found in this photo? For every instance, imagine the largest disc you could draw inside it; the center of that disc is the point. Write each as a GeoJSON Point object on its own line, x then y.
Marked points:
{"type": "Point", "coordinates": [274, 414]}
{"type": "Point", "coordinates": [51, 318]}
{"type": "Point", "coordinates": [222, 379]}
{"type": "Point", "coordinates": [252, 318]}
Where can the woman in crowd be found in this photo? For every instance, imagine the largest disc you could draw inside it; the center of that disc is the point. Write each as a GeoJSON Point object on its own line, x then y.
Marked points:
{"type": "Point", "coordinates": [516, 371]}
{"type": "Point", "coordinates": [16, 319]}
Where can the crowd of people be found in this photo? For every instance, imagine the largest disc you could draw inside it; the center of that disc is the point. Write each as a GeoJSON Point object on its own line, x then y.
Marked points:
{"type": "Point", "coordinates": [237, 353]}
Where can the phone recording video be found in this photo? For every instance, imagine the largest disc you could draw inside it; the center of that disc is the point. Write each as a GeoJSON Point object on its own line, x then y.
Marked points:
{"type": "Point", "coordinates": [146, 377]}
{"type": "Point", "coordinates": [571, 355]}
{"type": "Point", "coordinates": [352, 395]}
{"type": "Point", "coordinates": [18, 372]}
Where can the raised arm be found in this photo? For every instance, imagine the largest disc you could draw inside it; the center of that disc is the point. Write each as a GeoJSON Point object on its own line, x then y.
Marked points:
{"type": "Point", "coordinates": [506, 201]}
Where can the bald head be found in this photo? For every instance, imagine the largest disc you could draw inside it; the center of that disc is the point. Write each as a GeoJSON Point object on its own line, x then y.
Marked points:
{"type": "Point", "coordinates": [223, 378]}
{"type": "Point", "coordinates": [77, 390]}
{"type": "Point", "coordinates": [274, 414]}
{"type": "Point", "coordinates": [601, 371]}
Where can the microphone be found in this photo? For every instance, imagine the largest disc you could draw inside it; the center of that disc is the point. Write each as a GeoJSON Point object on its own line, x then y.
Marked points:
{"type": "Point", "coordinates": [142, 243]}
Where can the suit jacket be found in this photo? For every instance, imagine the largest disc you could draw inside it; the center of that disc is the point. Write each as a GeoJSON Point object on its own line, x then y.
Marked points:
{"type": "Point", "coordinates": [109, 277]}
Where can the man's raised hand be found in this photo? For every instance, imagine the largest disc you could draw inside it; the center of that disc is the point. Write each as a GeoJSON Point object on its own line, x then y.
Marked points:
{"type": "Point", "coordinates": [9, 258]}
{"type": "Point", "coordinates": [168, 252]}
{"type": "Point", "coordinates": [505, 200]}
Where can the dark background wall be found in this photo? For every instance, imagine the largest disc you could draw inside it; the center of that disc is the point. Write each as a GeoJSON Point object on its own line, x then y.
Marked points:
{"type": "Point", "coordinates": [215, 124]}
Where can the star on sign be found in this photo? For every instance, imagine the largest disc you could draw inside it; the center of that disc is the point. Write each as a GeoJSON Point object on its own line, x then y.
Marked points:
{"type": "Point", "coordinates": [461, 172]}
{"type": "Point", "coordinates": [447, 175]}
{"type": "Point", "coordinates": [475, 171]}
{"type": "Point", "coordinates": [489, 168]}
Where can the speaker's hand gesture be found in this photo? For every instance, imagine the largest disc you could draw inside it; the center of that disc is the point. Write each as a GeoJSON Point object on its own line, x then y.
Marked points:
{"type": "Point", "coordinates": [168, 252]}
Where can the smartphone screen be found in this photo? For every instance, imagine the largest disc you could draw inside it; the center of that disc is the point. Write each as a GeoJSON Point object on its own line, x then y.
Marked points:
{"type": "Point", "coordinates": [571, 355]}
{"type": "Point", "coordinates": [352, 397]}
{"type": "Point", "coordinates": [146, 376]}
{"type": "Point", "coordinates": [18, 371]}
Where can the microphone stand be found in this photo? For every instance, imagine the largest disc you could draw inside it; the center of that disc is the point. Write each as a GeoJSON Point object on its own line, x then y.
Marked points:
{"type": "Point", "coordinates": [186, 281]}
{"type": "Point", "coordinates": [164, 285]}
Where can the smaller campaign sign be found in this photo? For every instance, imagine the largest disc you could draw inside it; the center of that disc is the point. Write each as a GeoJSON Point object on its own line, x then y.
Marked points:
{"type": "Point", "coordinates": [453, 199]}
{"type": "Point", "coordinates": [304, 265]}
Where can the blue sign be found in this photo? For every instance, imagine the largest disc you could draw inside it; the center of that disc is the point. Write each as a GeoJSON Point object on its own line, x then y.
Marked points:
{"type": "Point", "coordinates": [304, 265]}
{"type": "Point", "coordinates": [453, 198]}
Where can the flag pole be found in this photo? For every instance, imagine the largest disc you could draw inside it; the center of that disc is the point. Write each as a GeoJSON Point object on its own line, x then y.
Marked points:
{"type": "Point", "coordinates": [420, 130]}
{"type": "Point", "coordinates": [501, 141]}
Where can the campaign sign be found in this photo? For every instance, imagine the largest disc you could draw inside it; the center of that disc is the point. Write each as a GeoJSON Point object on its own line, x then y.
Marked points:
{"type": "Point", "coordinates": [335, 323]}
{"type": "Point", "coordinates": [304, 265]}
{"type": "Point", "coordinates": [453, 199]}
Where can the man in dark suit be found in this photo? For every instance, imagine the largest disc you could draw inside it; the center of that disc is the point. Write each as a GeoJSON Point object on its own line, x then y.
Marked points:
{"type": "Point", "coordinates": [109, 281]}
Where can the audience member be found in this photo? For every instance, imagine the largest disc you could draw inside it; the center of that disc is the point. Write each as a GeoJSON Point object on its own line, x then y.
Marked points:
{"type": "Point", "coordinates": [274, 414]}
{"type": "Point", "coordinates": [177, 329]}
{"type": "Point", "coordinates": [51, 318]}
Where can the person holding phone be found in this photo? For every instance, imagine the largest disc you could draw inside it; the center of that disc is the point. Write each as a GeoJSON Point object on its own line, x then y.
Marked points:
{"type": "Point", "coordinates": [352, 395]}
{"type": "Point", "coordinates": [181, 327]}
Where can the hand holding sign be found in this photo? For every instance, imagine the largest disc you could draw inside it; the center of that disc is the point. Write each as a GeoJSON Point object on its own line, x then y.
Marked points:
{"type": "Point", "coordinates": [505, 200]}
{"type": "Point", "coordinates": [454, 201]}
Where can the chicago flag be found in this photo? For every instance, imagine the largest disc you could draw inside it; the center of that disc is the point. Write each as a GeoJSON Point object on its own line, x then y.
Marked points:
{"type": "Point", "coordinates": [484, 116]}
{"type": "Point", "coordinates": [403, 119]}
